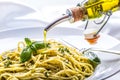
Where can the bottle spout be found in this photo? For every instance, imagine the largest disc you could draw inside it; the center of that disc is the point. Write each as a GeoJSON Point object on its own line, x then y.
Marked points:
{"type": "Point", "coordinates": [72, 15]}
{"type": "Point", "coordinates": [58, 21]}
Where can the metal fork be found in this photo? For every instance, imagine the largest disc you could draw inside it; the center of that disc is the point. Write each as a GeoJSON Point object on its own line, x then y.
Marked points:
{"type": "Point", "coordinates": [95, 49]}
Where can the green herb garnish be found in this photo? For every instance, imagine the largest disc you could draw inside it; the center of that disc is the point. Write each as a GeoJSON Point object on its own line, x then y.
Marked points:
{"type": "Point", "coordinates": [26, 54]}
{"type": "Point", "coordinates": [62, 50]}
{"type": "Point", "coordinates": [31, 48]}
{"type": "Point", "coordinates": [7, 63]}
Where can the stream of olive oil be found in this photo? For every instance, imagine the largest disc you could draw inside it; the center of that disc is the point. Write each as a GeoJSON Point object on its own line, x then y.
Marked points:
{"type": "Point", "coordinates": [45, 35]}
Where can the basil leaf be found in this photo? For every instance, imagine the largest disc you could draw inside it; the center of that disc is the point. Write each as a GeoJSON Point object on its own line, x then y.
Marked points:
{"type": "Point", "coordinates": [28, 41]}
{"type": "Point", "coordinates": [26, 54]}
{"type": "Point", "coordinates": [38, 45]}
{"type": "Point", "coordinates": [31, 47]}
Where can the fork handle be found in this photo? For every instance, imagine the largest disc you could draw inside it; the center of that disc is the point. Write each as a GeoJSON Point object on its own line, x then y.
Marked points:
{"type": "Point", "coordinates": [107, 51]}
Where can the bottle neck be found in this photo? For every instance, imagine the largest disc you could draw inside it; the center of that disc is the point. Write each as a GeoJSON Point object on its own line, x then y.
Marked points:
{"type": "Point", "coordinates": [76, 14]}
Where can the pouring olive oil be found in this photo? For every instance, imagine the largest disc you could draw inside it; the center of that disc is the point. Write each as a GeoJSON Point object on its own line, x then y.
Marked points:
{"type": "Point", "coordinates": [45, 35]}
{"type": "Point", "coordinates": [92, 9]}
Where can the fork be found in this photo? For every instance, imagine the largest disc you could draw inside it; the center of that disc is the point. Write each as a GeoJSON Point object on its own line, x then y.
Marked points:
{"type": "Point", "coordinates": [94, 49]}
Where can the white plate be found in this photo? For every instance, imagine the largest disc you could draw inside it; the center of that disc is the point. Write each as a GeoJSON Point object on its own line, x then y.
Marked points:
{"type": "Point", "coordinates": [10, 38]}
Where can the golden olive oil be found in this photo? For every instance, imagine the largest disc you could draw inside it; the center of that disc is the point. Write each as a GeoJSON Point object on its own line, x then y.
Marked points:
{"type": "Point", "coordinates": [95, 8]}
{"type": "Point", "coordinates": [44, 35]}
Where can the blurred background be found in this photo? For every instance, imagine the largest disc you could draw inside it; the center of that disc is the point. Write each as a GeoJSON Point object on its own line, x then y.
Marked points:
{"type": "Point", "coordinates": [45, 12]}
{"type": "Point", "coordinates": [38, 4]}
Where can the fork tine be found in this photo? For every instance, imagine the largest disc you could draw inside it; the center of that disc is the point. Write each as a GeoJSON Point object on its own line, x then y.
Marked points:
{"type": "Point", "coordinates": [81, 50]}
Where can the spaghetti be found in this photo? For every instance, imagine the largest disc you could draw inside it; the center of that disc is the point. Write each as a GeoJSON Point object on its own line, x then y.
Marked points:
{"type": "Point", "coordinates": [54, 62]}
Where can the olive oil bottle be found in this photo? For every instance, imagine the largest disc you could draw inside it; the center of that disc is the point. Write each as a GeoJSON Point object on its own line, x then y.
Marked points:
{"type": "Point", "coordinates": [93, 9]}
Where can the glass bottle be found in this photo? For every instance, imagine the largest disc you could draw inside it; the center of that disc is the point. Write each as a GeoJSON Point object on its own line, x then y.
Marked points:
{"type": "Point", "coordinates": [93, 9]}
